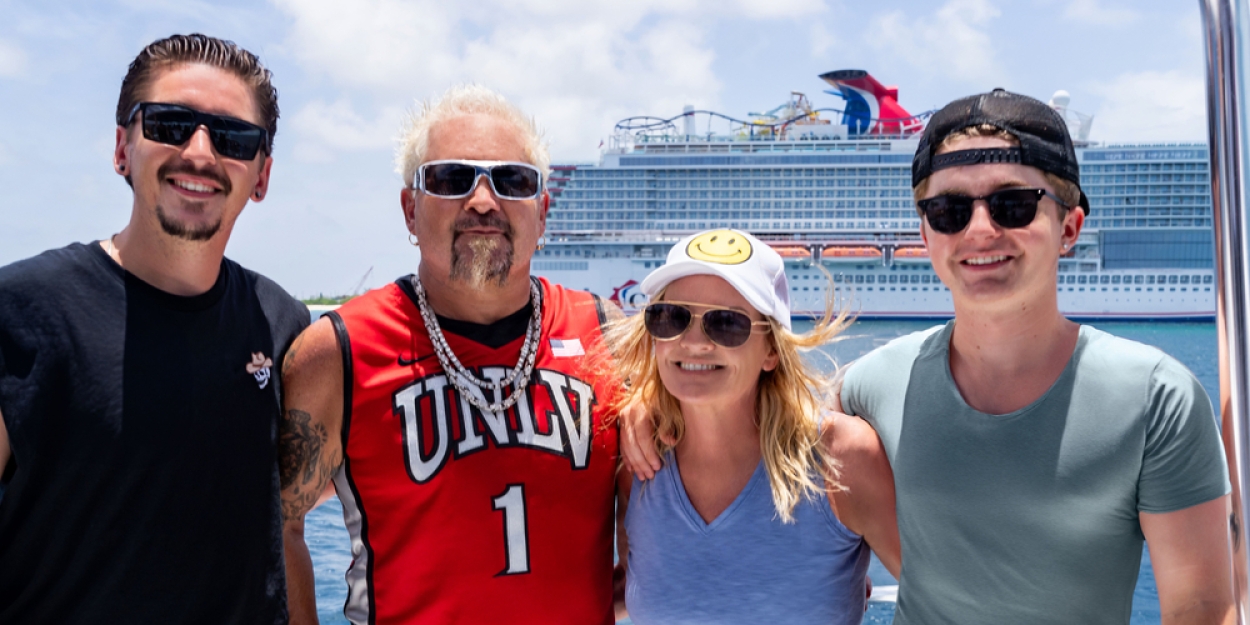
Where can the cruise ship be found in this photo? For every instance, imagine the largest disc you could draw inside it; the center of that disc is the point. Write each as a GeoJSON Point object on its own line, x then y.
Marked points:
{"type": "Point", "coordinates": [830, 189]}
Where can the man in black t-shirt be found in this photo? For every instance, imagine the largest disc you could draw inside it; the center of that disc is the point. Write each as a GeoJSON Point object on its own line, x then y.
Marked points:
{"type": "Point", "coordinates": [138, 395]}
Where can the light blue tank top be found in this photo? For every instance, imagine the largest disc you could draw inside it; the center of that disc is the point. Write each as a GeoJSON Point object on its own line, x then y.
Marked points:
{"type": "Point", "coordinates": [746, 566]}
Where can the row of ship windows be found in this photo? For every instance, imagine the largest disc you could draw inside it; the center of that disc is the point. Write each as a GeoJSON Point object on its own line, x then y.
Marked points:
{"type": "Point", "coordinates": [1158, 200]}
{"type": "Point", "coordinates": [738, 214]}
{"type": "Point", "coordinates": [1156, 205]}
{"type": "Point", "coordinates": [1138, 279]}
{"type": "Point", "coordinates": [1103, 279]}
{"type": "Point", "coordinates": [906, 224]}
{"type": "Point", "coordinates": [1124, 167]}
{"type": "Point", "coordinates": [1116, 289]}
{"type": "Point", "coordinates": [578, 194]}
{"type": "Point", "coordinates": [779, 172]}
{"type": "Point", "coordinates": [1148, 223]}
{"type": "Point", "coordinates": [1142, 189]}
{"type": "Point", "coordinates": [1137, 289]}
{"type": "Point", "coordinates": [855, 172]}
{"type": "Point", "coordinates": [752, 226]}
{"type": "Point", "coordinates": [739, 183]}
{"type": "Point", "coordinates": [1094, 185]}
{"type": "Point", "coordinates": [722, 204]}
{"type": "Point", "coordinates": [569, 214]}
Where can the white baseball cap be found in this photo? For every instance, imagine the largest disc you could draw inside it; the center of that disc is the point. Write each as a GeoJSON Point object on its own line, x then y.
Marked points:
{"type": "Point", "coordinates": [754, 269]}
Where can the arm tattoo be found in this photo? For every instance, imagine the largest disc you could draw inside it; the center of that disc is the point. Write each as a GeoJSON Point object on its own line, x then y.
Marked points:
{"type": "Point", "coordinates": [301, 468]}
{"type": "Point", "coordinates": [291, 351]}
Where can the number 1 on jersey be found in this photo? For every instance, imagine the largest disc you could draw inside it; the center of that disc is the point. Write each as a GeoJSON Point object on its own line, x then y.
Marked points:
{"type": "Point", "coordinates": [515, 534]}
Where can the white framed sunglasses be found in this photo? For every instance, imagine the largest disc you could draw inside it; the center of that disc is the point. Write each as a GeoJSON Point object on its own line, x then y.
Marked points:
{"type": "Point", "coordinates": [455, 179]}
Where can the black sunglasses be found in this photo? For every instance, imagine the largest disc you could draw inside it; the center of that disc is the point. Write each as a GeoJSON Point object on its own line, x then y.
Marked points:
{"type": "Point", "coordinates": [1009, 208]}
{"type": "Point", "coordinates": [174, 124]}
{"type": "Point", "coordinates": [456, 179]}
{"type": "Point", "coordinates": [724, 326]}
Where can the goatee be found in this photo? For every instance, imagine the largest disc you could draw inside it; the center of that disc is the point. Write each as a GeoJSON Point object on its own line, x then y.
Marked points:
{"type": "Point", "coordinates": [178, 229]}
{"type": "Point", "coordinates": [481, 260]}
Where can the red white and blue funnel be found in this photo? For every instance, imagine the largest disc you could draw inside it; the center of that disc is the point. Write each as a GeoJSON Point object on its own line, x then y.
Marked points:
{"type": "Point", "coordinates": [871, 108]}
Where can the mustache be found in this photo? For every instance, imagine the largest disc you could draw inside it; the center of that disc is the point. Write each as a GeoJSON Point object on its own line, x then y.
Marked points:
{"type": "Point", "coordinates": [183, 167]}
{"type": "Point", "coordinates": [477, 220]}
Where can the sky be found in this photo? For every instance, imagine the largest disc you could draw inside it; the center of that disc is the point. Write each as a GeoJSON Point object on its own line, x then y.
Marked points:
{"type": "Point", "coordinates": [348, 72]}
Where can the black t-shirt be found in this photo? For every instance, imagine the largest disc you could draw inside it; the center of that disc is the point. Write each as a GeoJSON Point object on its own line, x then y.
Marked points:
{"type": "Point", "coordinates": [143, 485]}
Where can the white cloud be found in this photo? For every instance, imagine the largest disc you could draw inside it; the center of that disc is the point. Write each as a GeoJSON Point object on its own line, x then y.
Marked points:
{"type": "Point", "coordinates": [12, 59]}
{"type": "Point", "coordinates": [1152, 106]}
{"type": "Point", "coordinates": [577, 66]}
{"type": "Point", "coordinates": [337, 125]}
{"type": "Point", "coordinates": [822, 41]}
{"type": "Point", "coordinates": [765, 9]}
{"type": "Point", "coordinates": [1096, 13]}
{"type": "Point", "coordinates": [952, 42]}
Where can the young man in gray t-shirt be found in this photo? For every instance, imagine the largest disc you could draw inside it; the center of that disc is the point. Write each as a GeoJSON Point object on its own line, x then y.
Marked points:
{"type": "Point", "coordinates": [1031, 454]}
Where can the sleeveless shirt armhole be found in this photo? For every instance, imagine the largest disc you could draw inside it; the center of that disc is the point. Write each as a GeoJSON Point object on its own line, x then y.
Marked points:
{"type": "Point", "coordinates": [345, 348]}
{"type": "Point", "coordinates": [601, 312]}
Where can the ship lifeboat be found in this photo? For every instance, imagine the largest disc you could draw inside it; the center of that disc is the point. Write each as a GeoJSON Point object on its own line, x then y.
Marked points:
{"type": "Point", "coordinates": [793, 253]}
{"type": "Point", "coordinates": [850, 253]}
{"type": "Point", "coordinates": [911, 253]}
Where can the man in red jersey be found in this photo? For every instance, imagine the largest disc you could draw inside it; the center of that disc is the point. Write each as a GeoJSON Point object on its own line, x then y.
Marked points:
{"type": "Point", "coordinates": [455, 409]}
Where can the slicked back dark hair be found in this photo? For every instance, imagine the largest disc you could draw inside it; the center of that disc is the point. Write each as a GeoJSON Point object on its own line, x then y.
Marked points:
{"type": "Point", "coordinates": [196, 48]}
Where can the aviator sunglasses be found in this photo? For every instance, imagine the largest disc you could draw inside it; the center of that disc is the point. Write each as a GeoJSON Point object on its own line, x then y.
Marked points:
{"type": "Point", "coordinates": [1009, 208]}
{"type": "Point", "coordinates": [173, 124]}
{"type": "Point", "coordinates": [453, 180]}
{"type": "Point", "coordinates": [724, 326]}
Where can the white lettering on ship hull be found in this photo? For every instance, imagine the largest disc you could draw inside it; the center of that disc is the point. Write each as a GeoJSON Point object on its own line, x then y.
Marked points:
{"type": "Point", "coordinates": [426, 417]}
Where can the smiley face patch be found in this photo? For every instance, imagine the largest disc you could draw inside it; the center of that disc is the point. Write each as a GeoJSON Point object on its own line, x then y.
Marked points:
{"type": "Point", "coordinates": [724, 247]}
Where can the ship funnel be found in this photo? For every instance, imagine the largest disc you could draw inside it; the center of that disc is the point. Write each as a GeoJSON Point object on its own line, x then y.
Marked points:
{"type": "Point", "coordinates": [688, 112]}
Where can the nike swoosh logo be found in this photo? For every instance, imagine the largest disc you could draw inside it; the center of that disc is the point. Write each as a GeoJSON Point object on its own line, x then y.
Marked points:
{"type": "Point", "coordinates": [404, 362]}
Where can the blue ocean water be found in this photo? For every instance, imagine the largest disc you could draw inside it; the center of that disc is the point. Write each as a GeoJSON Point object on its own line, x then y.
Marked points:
{"type": "Point", "coordinates": [1194, 344]}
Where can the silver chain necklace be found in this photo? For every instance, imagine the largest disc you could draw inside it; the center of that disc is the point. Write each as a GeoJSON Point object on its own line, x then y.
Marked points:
{"type": "Point", "coordinates": [460, 375]}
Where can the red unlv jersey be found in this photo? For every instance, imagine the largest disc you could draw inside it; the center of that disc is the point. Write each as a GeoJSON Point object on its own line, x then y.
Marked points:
{"type": "Point", "coordinates": [459, 515]}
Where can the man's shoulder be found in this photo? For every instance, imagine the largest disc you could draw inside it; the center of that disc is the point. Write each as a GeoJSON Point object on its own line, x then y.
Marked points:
{"type": "Point", "coordinates": [281, 307]}
{"type": "Point", "coordinates": [572, 304]}
{"type": "Point", "coordinates": [49, 267]}
{"type": "Point", "coordinates": [370, 304]}
{"type": "Point", "coordinates": [1121, 359]}
{"type": "Point", "coordinates": [900, 351]}
{"type": "Point", "coordinates": [56, 279]}
{"type": "Point", "coordinates": [876, 384]}
{"type": "Point", "coordinates": [265, 288]}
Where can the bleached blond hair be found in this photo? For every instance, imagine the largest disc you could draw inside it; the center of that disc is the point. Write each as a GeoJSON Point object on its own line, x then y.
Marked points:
{"type": "Point", "coordinates": [466, 99]}
{"type": "Point", "coordinates": [1066, 190]}
{"type": "Point", "coordinates": [789, 404]}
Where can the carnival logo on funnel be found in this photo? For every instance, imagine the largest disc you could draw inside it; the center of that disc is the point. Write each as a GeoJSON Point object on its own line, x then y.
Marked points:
{"type": "Point", "coordinates": [629, 296]}
{"type": "Point", "coordinates": [871, 108]}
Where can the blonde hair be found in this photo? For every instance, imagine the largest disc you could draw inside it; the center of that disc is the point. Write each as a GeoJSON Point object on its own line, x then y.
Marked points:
{"type": "Point", "coordinates": [468, 99]}
{"type": "Point", "coordinates": [1067, 190]}
{"type": "Point", "coordinates": [788, 405]}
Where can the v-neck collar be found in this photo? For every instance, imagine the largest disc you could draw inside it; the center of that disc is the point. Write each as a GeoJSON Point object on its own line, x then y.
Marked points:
{"type": "Point", "coordinates": [692, 515]}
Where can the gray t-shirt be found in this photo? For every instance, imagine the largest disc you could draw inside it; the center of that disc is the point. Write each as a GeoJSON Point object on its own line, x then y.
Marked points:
{"type": "Point", "coordinates": [1032, 516]}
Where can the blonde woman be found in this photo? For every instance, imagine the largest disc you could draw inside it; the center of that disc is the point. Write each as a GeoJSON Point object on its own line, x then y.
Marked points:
{"type": "Point", "coordinates": [766, 504]}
